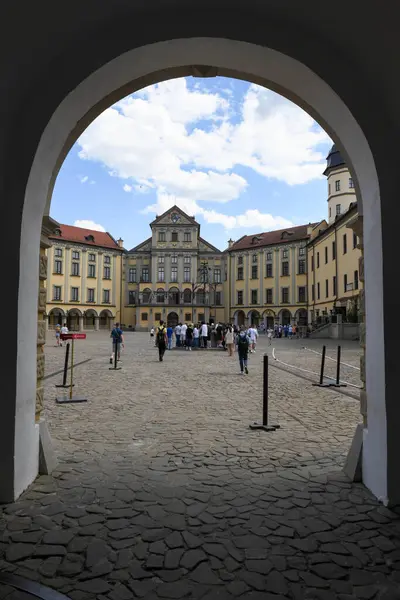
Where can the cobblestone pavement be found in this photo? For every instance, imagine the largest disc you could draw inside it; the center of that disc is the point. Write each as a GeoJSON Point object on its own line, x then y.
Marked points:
{"type": "Point", "coordinates": [162, 490]}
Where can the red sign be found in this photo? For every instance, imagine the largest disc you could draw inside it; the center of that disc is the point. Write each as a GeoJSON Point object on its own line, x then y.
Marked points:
{"type": "Point", "coordinates": [73, 336]}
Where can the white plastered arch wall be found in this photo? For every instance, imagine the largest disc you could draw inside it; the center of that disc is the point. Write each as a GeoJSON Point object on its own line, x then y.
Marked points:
{"type": "Point", "coordinates": [231, 58]}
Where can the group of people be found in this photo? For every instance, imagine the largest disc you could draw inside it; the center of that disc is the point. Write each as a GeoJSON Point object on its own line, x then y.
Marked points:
{"type": "Point", "coordinates": [60, 331]}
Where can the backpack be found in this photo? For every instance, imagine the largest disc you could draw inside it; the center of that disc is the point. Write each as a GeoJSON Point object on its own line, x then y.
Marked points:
{"type": "Point", "coordinates": [161, 335]}
{"type": "Point", "coordinates": [116, 335]}
{"type": "Point", "coordinates": [243, 344]}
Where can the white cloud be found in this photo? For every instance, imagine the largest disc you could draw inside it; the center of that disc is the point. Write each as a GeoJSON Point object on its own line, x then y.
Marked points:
{"type": "Point", "coordinates": [184, 144]}
{"type": "Point", "coordinates": [83, 178]}
{"type": "Point", "coordinates": [87, 224]}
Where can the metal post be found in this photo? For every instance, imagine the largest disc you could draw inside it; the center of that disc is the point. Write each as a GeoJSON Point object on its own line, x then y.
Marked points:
{"type": "Point", "coordinates": [264, 425]}
{"type": "Point", "coordinates": [64, 383]}
{"type": "Point", "coordinates": [72, 370]}
{"type": "Point", "coordinates": [321, 377]}
{"type": "Point", "coordinates": [338, 366]}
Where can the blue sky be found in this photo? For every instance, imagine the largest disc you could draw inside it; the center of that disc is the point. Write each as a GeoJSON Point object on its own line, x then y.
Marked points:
{"type": "Point", "coordinates": [240, 158]}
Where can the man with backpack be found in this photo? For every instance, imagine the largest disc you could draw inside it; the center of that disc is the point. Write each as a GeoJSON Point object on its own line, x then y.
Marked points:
{"type": "Point", "coordinates": [161, 340]}
{"type": "Point", "coordinates": [243, 351]}
{"type": "Point", "coordinates": [117, 339]}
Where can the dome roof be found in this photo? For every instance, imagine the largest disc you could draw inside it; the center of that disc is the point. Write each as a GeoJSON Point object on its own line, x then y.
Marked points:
{"type": "Point", "coordinates": [333, 160]}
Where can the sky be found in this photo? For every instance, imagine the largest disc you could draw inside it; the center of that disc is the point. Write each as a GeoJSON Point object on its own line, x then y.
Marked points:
{"type": "Point", "coordinates": [240, 158]}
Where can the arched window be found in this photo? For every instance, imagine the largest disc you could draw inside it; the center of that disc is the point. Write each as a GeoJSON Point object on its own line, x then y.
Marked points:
{"type": "Point", "coordinates": [146, 295]}
{"type": "Point", "coordinates": [160, 295]}
{"type": "Point", "coordinates": [173, 294]}
{"type": "Point", "coordinates": [187, 295]}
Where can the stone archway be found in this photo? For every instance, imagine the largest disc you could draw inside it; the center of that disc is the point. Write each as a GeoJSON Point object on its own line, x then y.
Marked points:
{"type": "Point", "coordinates": [56, 316]}
{"type": "Point", "coordinates": [105, 320]}
{"type": "Point", "coordinates": [239, 318]}
{"type": "Point", "coordinates": [301, 317]}
{"type": "Point", "coordinates": [90, 320]}
{"type": "Point", "coordinates": [285, 317]}
{"type": "Point", "coordinates": [269, 319]}
{"type": "Point", "coordinates": [172, 319]}
{"type": "Point", "coordinates": [229, 57]}
{"type": "Point", "coordinates": [254, 318]}
{"type": "Point", "coordinates": [74, 319]}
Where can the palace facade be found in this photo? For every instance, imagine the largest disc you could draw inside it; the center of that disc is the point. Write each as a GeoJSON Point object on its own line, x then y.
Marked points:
{"type": "Point", "coordinates": [304, 275]}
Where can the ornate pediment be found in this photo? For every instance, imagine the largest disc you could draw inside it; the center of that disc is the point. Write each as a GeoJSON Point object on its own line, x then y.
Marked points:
{"type": "Point", "coordinates": [174, 216]}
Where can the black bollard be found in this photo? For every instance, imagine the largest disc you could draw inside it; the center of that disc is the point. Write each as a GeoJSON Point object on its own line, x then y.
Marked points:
{"type": "Point", "coordinates": [265, 426]}
{"type": "Point", "coordinates": [338, 366]}
{"type": "Point", "coordinates": [321, 375]}
{"type": "Point", "coordinates": [64, 383]}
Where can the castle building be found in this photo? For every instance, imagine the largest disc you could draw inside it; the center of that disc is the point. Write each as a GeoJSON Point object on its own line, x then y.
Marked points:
{"type": "Point", "coordinates": [302, 275]}
{"type": "Point", "coordinates": [333, 252]}
{"type": "Point", "coordinates": [84, 279]}
{"type": "Point", "coordinates": [175, 275]}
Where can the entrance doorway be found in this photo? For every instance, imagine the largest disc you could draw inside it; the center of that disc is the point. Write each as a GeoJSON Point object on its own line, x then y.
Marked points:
{"type": "Point", "coordinates": [73, 317]}
{"type": "Point", "coordinates": [105, 320]}
{"type": "Point", "coordinates": [285, 317]}
{"type": "Point", "coordinates": [254, 318]}
{"type": "Point", "coordinates": [56, 317]}
{"type": "Point", "coordinates": [172, 319]}
{"type": "Point", "coordinates": [240, 318]}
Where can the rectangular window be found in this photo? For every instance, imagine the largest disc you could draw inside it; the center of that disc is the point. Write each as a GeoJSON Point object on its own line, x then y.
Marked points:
{"type": "Point", "coordinates": [188, 316]}
{"type": "Point", "coordinates": [174, 259]}
{"type": "Point", "coordinates": [269, 256]}
{"type": "Point", "coordinates": [345, 243]}
{"type": "Point", "coordinates": [254, 271]}
{"type": "Point", "coordinates": [312, 263]}
{"type": "Point", "coordinates": [333, 250]}
{"type": "Point", "coordinates": [106, 296]}
{"type": "Point", "coordinates": [302, 251]}
{"type": "Point", "coordinates": [132, 275]}
{"type": "Point", "coordinates": [254, 296]}
{"type": "Point", "coordinates": [345, 282]}
{"type": "Point", "coordinates": [145, 275]}
{"type": "Point", "coordinates": [57, 292]}
{"type": "Point", "coordinates": [329, 189]}
{"type": "Point", "coordinates": [313, 293]}
{"type": "Point", "coordinates": [285, 295]}
{"type": "Point", "coordinates": [330, 211]}
{"type": "Point", "coordinates": [75, 255]}
{"type": "Point", "coordinates": [326, 288]}
{"type": "Point", "coordinates": [75, 268]}
{"type": "Point", "coordinates": [107, 260]}
{"type": "Point", "coordinates": [268, 296]}
{"type": "Point", "coordinates": [326, 254]}
{"type": "Point", "coordinates": [187, 259]}
{"type": "Point", "coordinates": [355, 240]}
{"type": "Point", "coordinates": [157, 316]}
{"type": "Point", "coordinates": [174, 274]}
{"type": "Point", "coordinates": [317, 260]}
{"type": "Point", "coordinates": [74, 294]}
{"type": "Point", "coordinates": [174, 236]}
{"type": "Point", "coordinates": [107, 273]}
{"type": "Point", "coordinates": [269, 270]}
{"type": "Point", "coordinates": [285, 268]}
{"type": "Point", "coordinates": [90, 295]}
{"type": "Point", "coordinates": [187, 236]}
{"type": "Point", "coordinates": [131, 297]}
{"type": "Point", "coordinates": [217, 275]}
{"type": "Point", "coordinates": [255, 258]}
{"type": "Point", "coordinates": [161, 274]}
{"type": "Point", "coordinates": [240, 297]}
{"type": "Point", "coordinates": [58, 267]}
{"type": "Point", "coordinates": [186, 274]}
{"type": "Point", "coordinates": [351, 183]}
{"type": "Point", "coordinates": [161, 260]}
{"type": "Point", "coordinates": [356, 280]}
{"type": "Point", "coordinates": [334, 285]}
{"type": "Point", "coordinates": [338, 209]}
{"type": "Point", "coordinates": [302, 266]}
{"type": "Point", "coordinates": [218, 299]}
{"type": "Point", "coordinates": [58, 252]}
{"type": "Point", "coordinates": [161, 238]}
{"type": "Point", "coordinates": [91, 270]}
{"type": "Point", "coordinates": [318, 291]}
{"type": "Point", "coordinates": [302, 294]}
{"type": "Point", "coordinates": [240, 260]}
{"type": "Point", "coordinates": [144, 317]}
{"type": "Point", "coordinates": [92, 258]}
{"type": "Point", "coordinates": [240, 273]}
{"type": "Point", "coordinates": [284, 253]}
{"type": "Point", "coordinates": [337, 185]}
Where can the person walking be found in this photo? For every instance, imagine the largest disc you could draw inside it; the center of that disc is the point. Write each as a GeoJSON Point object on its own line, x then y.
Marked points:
{"type": "Point", "coordinates": [189, 337]}
{"type": "Point", "coordinates": [161, 340]}
{"type": "Point", "coordinates": [58, 331]}
{"type": "Point", "coordinates": [229, 340]}
{"type": "Point", "coordinates": [253, 335]}
{"type": "Point", "coordinates": [290, 331]}
{"type": "Point", "coordinates": [117, 340]}
{"type": "Point", "coordinates": [269, 336]}
{"type": "Point", "coordinates": [204, 334]}
{"type": "Point", "coordinates": [178, 334]}
{"type": "Point", "coordinates": [243, 351]}
{"type": "Point", "coordinates": [169, 336]}
{"type": "Point", "coordinates": [152, 334]}
{"type": "Point", "coordinates": [64, 331]}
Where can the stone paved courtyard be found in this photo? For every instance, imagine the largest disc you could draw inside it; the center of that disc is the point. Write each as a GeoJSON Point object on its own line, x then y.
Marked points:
{"type": "Point", "coordinates": [162, 491]}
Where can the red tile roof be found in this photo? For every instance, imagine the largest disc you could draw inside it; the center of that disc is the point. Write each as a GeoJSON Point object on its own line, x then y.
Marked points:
{"type": "Point", "coordinates": [268, 238]}
{"type": "Point", "coordinates": [70, 233]}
